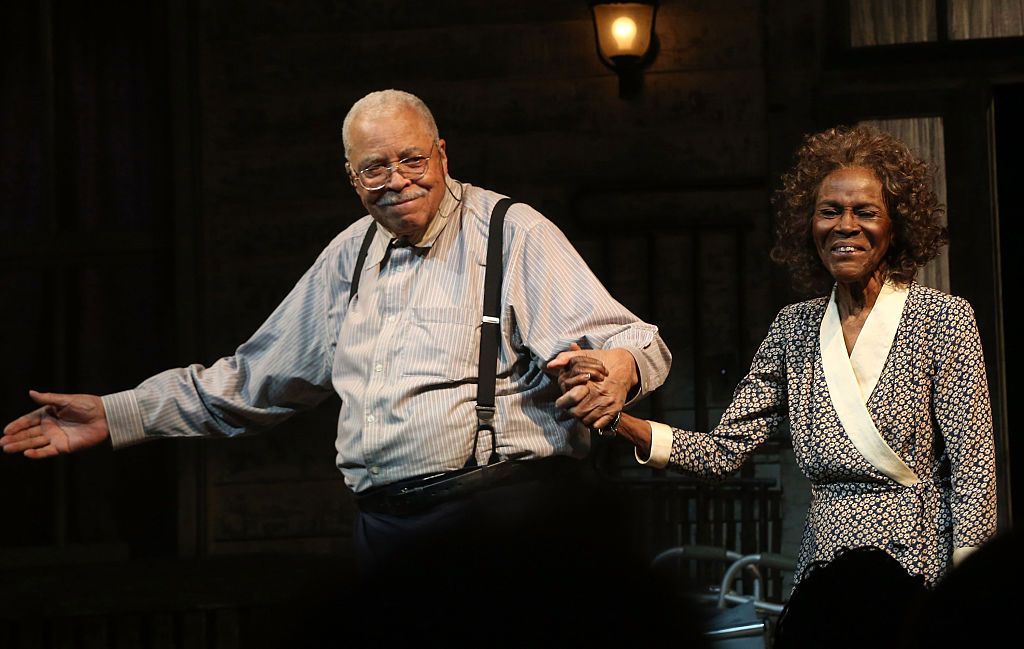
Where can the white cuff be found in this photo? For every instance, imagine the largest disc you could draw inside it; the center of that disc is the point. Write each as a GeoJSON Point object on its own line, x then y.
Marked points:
{"type": "Point", "coordinates": [661, 446]}
{"type": "Point", "coordinates": [124, 419]}
{"type": "Point", "coordinates": [959, 554]}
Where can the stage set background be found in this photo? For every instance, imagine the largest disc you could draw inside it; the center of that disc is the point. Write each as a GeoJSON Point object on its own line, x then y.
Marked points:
{"type": "Point", "coordinates": [169, 169]}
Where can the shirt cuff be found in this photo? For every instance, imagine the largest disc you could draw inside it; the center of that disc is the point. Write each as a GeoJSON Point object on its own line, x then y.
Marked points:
{"type": "Point", "coordinates": [959, 554]}
{"type": "Point", "coordinates": [661, 446]}
{"type": "Point", "coordinates": [640, 389]}
{"type": "Point", "coordinates": [124, 419]}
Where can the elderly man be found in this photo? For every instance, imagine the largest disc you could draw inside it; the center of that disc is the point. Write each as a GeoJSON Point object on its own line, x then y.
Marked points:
{"type": "Point", "coordinates": [389, 317]}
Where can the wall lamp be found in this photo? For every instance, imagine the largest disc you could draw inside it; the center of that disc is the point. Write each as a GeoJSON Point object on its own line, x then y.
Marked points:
{"type": "Point", "coordinates": [625, 40]}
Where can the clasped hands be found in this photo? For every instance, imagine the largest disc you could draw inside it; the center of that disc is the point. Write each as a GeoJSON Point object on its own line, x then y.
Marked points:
{"type": "Point", "coordinates": [594, 383]}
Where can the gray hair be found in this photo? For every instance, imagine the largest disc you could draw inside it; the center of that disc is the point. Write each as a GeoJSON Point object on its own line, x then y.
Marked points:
{"type": "Point", "coordinates": [384, 103]}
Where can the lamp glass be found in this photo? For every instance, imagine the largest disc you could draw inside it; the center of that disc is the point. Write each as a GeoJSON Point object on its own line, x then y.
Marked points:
{"type": "Point", "coordinates": [623, 28]}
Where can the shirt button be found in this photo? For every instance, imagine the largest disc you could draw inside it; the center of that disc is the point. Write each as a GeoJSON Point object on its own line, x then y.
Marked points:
{"type": "Point", "coordinates": [391, 318]}
{"type": "Point", "coordinates": [378, 367]}
{"type": "Point", "coordinates": [375, 470]}
{"type": "Point", "coordinates": [370, 419]}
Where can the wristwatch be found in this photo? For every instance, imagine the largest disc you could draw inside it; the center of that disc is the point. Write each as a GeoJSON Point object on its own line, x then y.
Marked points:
{"type": "Point", "coordinates": [612, 428]}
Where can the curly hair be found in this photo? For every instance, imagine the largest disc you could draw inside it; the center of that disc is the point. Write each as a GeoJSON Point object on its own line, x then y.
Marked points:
{"type": "Point", "coordinates": [906, 185]}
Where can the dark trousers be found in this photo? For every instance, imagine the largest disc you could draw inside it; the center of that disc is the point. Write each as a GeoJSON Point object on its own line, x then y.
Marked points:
{"type": "Point", "coordinates": [515, 565]}
{"type": "Point", "coordinates": [543, 562]}
{"type": "Point", "coordinates": [527, 519]}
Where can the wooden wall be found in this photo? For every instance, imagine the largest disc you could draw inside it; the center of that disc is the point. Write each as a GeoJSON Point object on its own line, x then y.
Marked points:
{"type": "Point", "coordinates": [211, 130]}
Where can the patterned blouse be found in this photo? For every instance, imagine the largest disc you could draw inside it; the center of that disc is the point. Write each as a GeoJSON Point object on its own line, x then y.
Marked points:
{"type": "Point", "coordinates": [931, 405]}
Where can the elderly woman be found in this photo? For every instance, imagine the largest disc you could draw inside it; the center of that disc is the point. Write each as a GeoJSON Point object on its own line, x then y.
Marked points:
{"type": "Point", "coordinates": [882, 381]}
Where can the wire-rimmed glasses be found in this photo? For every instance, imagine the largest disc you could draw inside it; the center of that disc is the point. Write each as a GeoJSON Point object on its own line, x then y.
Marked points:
{"type": "Point", "coordinates": [376, 176]}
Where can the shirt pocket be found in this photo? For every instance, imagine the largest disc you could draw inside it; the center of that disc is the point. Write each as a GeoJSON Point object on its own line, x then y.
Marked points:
{"type": "Point", "coordinates": [442, 342]}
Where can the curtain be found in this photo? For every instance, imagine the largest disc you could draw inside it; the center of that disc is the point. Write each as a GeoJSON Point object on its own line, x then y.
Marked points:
{"type": "Point", "coordinates": [85, 257]}
{"type": "Point", "coordinates": [985, 18]}
{"type": "Point", "coordinates": [887, 22]}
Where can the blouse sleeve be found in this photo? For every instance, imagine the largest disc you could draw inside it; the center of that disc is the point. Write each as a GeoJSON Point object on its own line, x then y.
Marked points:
{"type": "Point", "coordinates": [758, 407]}
{"type": "Point", "coordinates": [964, 418]}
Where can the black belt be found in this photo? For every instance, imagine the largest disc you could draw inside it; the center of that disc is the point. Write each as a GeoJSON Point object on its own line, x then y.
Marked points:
{"type": "Point", "coordinates": [416, 495]}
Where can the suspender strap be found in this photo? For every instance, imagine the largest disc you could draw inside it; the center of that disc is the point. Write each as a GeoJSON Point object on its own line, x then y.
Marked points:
{"type": "Point", "coordinates": [490, 334]}
{"type": "Point", "coordinates": [361, 259]}
{"type": "Point", "coordinates": [490, 324]}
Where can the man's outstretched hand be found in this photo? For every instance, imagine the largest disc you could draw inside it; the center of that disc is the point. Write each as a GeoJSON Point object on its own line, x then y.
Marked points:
{"type": "Point", "coordinates": [65, 423]}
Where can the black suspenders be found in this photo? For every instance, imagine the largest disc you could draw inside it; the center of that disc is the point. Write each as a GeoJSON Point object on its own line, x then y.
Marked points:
{"type": "Point", "coordinates": [490, 334]}
{"type": "Point", "coordinates": [490, 325]}
{"type": "Point", "coordinates": [361, 259]}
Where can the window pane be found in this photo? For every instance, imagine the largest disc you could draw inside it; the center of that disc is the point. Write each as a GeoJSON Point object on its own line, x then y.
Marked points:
{"type": "Point", "coordinates": [985, 18]}
{"type": "Point", "coordinates": [887, 22]}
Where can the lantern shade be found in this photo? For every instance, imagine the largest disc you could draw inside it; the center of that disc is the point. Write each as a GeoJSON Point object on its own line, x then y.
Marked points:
{"type": "Point", "coordinates": [623, 29]}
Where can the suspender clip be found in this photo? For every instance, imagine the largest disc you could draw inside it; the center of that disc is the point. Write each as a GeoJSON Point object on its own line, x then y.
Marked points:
{"type": "Point", "coordinates": [485, 414]}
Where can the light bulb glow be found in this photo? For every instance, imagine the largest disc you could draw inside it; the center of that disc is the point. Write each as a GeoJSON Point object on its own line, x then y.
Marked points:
{"type": "Point", "coordinates": [624, 32]}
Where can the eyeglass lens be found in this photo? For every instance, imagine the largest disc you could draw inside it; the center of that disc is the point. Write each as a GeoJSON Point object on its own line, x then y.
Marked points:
{"type": "Point", "coordinates": [410, 168]}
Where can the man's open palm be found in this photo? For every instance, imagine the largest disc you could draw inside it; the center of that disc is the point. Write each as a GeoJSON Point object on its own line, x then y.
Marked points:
{"type": "Point", "coordinates": [64, 424]}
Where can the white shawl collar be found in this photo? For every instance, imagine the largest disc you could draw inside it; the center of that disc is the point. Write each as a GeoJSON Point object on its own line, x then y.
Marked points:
{"type": "Point", "coordinates": [852, 378]}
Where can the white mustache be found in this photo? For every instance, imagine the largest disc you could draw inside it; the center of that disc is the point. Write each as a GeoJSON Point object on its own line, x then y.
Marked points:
{"type": "Point", "coordinates": [393, 198]}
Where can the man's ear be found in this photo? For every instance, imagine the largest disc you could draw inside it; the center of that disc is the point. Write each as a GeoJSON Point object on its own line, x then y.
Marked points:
{"type": "Point", "coordinates": [351, 176]}
{"type": "Point", "coordinates": [443, 153]}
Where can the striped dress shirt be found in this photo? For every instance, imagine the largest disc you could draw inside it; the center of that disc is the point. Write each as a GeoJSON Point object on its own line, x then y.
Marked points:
{"type": "Point", "coordinates": [403, 354]}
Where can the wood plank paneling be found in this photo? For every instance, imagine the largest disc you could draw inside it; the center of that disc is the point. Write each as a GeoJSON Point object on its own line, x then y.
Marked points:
{"type": "Point", "coordinates": [280, 511]}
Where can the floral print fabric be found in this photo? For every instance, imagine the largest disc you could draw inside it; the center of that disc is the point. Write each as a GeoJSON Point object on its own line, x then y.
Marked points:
{"type": "Point", "coordinates": [931, 405]}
